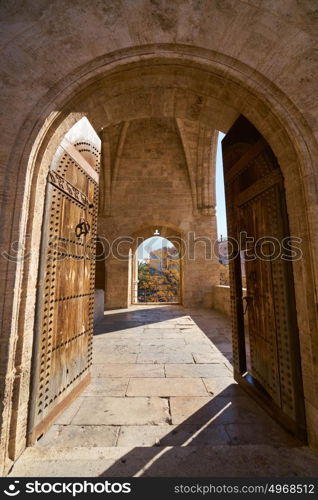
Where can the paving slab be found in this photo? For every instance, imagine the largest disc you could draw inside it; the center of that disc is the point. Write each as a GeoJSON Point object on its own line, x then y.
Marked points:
{"type": "Point", "coordinates": [105, 386]}
{"type": "Point", "coordinates": [172, 435]}
{"type": "Point", "coordinates": [160, 327]}
{"type": "Point", "coordinates": [196, 339]}
{"type": "Point", "coordinates": [129, 334]}
{"type": "Point", "coordinates": [143, 435]}
{"type": "Point", "coordinates": [203, 348]}
{"type": "Point", "coordinates": [184, 408]}
{"type": "Point", "coordinates": [115, 356]}
{"type": "Point", "coordinates": [166, 387]}
{"type": "Point", "coordinates": [122, 411]}
{"type": "Point", "coordinates": [219, 385]}
{"type": "Point", "coordinates": [165, 343]}
{"type": "Point", "coordinates": [161, 334]}
{"type": "Point", "coordinates": [155, 356]}
{"type": "Point", "coordinates": [107, 343]}
{"type": "Point", "coordinates": [80, 435]}
{"type": "Point", "coordinates": [207, 357]}
{"type": "Point", "coordinates": [224, 347]}
{"type": "Point", "coordinates": [216, 410]}
{"type": "Point", "coordinates": [128, 370]}
{"type": "Point", "coordinates": [258, 432]}
{"type": "Point", "coordinates": [68, 414]}
{"type": "Point", "coordinates": [197, 370]}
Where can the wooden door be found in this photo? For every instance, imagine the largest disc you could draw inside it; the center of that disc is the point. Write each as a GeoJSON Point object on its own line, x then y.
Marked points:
{"type": "Point", "coordinates": [258, 226]}
{"type": "Point", "coordinates": [256, 220]}
{"type": "Point", "coordinates": [65, 306]}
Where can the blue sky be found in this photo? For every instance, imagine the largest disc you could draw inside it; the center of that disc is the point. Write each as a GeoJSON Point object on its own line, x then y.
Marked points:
{"type": "Point", "coordinates": [152, 243]}
{"type": "Point", "coordinates": [157, 242]}
{"type": "Point", "coordinates": [220, 198]}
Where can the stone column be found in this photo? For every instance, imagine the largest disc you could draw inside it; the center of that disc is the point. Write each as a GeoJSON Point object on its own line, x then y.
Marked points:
{"type": "Point", "coordinates": [200, 262]}
{"type": "Point", "coordinates": [116, 295]}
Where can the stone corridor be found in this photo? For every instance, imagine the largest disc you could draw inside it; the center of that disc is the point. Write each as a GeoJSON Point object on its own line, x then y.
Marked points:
{"type": "Point", "coordinates": [163, 402]}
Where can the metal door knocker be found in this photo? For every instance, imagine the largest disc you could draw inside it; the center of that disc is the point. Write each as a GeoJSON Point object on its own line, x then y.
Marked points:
{"type": "Point", "coordinates": [82, 227]}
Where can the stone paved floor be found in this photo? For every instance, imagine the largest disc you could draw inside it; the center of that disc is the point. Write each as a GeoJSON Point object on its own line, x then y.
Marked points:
{"type": "Point", "coordinates": [163, 402]}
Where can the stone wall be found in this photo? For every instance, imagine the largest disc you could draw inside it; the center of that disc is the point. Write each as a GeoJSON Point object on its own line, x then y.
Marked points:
{"type": "Point", "coordinates": [98, 305]}
{"type": "Point", "coordinates": [151, 187]}
{"type": "Point", "coordinates": [221, 299]}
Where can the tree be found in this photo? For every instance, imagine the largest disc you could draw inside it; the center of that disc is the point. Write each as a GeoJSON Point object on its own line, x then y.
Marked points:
{"type": "Point", "coordinates": [159, 276]}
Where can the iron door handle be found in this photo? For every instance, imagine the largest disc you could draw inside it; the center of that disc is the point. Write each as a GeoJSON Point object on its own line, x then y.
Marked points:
{"type": "Point", "coordinates": [82, 227]}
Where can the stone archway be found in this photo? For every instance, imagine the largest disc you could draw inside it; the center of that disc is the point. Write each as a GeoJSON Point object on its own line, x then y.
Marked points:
{"type": "Point", "coordinates": [204, 83]}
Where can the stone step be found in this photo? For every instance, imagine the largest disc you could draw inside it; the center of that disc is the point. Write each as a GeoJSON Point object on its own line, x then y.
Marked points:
{"type": "Point", "coordinates": [186, 461]}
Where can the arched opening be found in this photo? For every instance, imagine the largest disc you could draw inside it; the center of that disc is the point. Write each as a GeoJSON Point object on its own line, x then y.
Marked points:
{"type": "Point", "coordinates": [190, 111]}
{"type": "Point", "coordinates": [158, 272]}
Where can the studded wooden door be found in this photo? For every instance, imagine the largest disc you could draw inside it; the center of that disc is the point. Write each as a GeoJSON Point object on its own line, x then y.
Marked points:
{"type": "Point", "coordinates": [258, 228]}
{"type": "Point", "coordinates": [65, 306]}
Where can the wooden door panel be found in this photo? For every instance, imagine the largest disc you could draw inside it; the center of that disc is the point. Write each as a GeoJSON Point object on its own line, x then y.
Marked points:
{"type": "Point", "coordinates": [71, 273]}
{"type": "Point", "coordinates": [261, 312]}
{"type": "Point", "coordinates": [71, 213]}
{"type": "Point", "coordinates": [70, 318]}
{"type": "Point", "coordinates": [262, 328]}
{"type": "Point", "coordinates": [67, 366]}
{"type": "Point", "coordinates": [256, 207]}
{"type": "Point", "coordinates": [63, 341]}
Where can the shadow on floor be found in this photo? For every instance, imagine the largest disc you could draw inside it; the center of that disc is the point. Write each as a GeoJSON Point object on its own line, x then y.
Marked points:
{"type": "Point", "coordinates": [219, 333]}
{"type": "Point", "coordinates": [126, 319]}
{"type": "Point", "coordinates": [230, 435]}
{"type": "Point", "coordinates": [205, 444]}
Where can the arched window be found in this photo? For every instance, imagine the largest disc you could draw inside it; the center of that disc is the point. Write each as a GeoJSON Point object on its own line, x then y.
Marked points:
{"type": "Point", "coordinates": [158, 264]}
